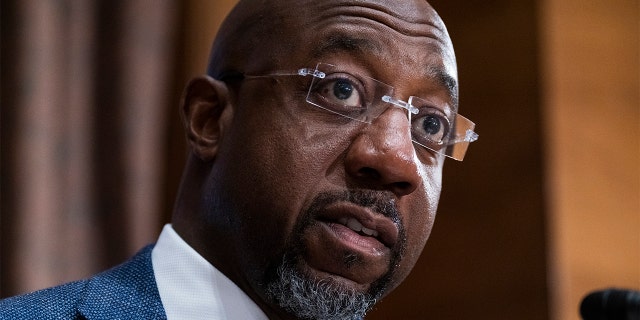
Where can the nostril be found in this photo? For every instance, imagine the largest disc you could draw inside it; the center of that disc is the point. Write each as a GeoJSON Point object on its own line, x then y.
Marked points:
{"type": "Point", "coordinates": [402, 186]}
{"type": "Point", "coordinates": [370, 173]}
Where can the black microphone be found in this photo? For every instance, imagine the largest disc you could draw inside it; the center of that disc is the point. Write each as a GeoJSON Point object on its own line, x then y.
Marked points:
{"type": "Point", "coordinates": [611, 304]}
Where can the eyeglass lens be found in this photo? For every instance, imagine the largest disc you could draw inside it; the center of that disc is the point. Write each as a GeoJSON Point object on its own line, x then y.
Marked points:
{"type": "Point", "coordinates": [362, 98]}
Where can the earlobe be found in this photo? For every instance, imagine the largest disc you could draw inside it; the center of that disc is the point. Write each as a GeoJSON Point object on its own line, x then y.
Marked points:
{"type": "Point", "coordinates": [204, 102]}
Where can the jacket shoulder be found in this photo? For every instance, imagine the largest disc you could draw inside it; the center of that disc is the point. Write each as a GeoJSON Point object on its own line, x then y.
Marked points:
{"type": "Point", "coordinates": [127, 291]}
{"type": "Point", "coordinates": [52, 303]}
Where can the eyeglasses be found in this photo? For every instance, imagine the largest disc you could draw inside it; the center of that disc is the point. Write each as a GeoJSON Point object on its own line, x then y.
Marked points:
{"type": "Point", "coordinates": [363, 99]}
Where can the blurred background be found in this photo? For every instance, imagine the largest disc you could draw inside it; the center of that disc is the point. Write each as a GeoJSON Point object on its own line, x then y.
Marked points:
{"type": "Point", "coordinates": [544, 209]}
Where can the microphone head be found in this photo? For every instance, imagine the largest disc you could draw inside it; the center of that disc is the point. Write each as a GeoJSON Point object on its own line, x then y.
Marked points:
{"type": "Point", "coordinates": [611, 304]}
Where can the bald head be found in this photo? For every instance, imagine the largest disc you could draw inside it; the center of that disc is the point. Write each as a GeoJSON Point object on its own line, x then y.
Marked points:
{"type": "Point", "coordinates": [269, 31]}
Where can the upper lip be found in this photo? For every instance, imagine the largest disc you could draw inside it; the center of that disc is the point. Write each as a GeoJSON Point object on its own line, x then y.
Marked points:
{"type": "Point", "coordinates": [347, 213]}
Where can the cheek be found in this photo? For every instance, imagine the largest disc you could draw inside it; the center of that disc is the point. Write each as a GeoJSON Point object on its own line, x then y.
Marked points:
{"type": "Point", "coordinates": [421, 217]}
{"type": "Point", "coordinates": [273, 166]}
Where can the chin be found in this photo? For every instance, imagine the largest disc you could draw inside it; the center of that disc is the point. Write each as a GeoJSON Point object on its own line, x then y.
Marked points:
{"type": "Point", "coordinates": [307, 293]}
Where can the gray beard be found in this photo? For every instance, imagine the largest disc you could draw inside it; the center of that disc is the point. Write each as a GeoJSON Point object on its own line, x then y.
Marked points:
{"type": "Point", "coordinates": [286, 285]}
{"type": "Point", "coordinates": [319, 299]}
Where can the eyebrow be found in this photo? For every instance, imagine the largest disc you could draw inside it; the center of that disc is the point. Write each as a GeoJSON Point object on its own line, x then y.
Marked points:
{"type": "Point", "coordinates": [359, 46]}
{"type": "Point", "coordinates": [447, 81]}
{"type": "Point", "coordinates": [342, 43]}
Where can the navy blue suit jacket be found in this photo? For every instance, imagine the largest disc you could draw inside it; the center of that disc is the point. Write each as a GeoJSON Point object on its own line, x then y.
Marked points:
{"type": "Point", "coordinates": [128, 291]}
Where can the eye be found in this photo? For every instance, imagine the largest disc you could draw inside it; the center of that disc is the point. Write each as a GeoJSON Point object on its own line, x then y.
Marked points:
{"type": "Point", "coordinates": [342, 90]}
{"type": "Point", "coordinates": [432, 125]}
{"type": "Point", "coordinates": [430, 128]}
{"type": "Point", "coordinates": [341, 94]}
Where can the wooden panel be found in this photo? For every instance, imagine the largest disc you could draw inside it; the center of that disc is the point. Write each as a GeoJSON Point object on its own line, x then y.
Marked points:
{"type": "Point", "coordinates": [592, 98]}
{"type": "Point", "coordinates": [79, 181]}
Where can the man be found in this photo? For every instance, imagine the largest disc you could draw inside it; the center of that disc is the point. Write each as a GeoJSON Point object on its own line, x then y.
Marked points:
{"type": "Point", "coordinates": [317, 141]}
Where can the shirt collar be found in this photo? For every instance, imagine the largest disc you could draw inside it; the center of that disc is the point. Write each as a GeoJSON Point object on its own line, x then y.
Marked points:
{"type": "Point", "coordinates": [192, 288]}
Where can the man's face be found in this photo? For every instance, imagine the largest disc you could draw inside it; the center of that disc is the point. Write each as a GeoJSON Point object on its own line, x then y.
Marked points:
{"type": "Point", "coordinates": [318, 196]}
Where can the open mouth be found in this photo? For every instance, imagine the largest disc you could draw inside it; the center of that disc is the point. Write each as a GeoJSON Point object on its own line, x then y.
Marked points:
{"type": "Point", "coordinates": [356, 226]}
{"type": "Point", "coordinates": [352, 240]}
{"type": "Point", "coordinates": [362, 222]}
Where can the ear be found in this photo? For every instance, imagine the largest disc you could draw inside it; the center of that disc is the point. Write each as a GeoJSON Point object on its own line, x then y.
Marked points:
{"type": "Point", "coordinates": [205, 113]}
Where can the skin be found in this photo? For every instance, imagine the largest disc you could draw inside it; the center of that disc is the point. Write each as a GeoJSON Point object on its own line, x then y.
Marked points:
{"type": "Point", "coordinates": [257, 162]}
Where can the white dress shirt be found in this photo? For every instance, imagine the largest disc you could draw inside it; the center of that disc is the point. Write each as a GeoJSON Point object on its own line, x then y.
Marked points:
{"type": "Point", "coordinates": [191, 288]}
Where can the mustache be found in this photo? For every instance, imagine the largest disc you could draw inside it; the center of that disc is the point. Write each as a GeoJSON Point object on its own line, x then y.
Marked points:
{"type": "Point", "coordinates": [377, 201]}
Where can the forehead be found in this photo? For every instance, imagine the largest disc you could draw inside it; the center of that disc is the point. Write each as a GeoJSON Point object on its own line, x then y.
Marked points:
{"type": "Point", "coordinates": [395, 40]}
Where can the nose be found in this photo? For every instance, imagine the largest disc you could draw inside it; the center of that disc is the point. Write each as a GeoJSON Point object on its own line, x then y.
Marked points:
{"type": "Point", "coordinates": [382, 156]}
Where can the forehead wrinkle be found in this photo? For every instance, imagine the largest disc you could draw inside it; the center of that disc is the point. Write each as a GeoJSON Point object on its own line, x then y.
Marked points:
{"type": "Point", "coordinates": [340, 42]}
{"type": "Point", "coordinates": [417, 26]}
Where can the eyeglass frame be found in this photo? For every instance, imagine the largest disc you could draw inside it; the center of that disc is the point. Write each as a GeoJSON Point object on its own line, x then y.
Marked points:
{"type": "Point", "coordinates": [447, 149]}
